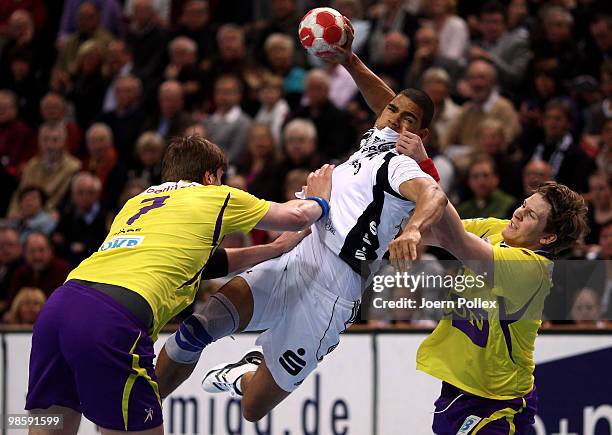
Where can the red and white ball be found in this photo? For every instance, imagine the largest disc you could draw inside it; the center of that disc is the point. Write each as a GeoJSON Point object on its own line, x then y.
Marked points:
{"type": "Point", "coordinates": [320, 29]}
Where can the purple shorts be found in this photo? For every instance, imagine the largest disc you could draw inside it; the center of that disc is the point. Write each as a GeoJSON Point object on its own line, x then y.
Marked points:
{"type": "Point", "coordinates": [91, 354]}
{"type": "Point", "coordinates": [460, 413]}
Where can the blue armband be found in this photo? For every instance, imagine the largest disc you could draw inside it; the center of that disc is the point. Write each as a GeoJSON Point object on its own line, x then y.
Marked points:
{"type": "Point", "coordinates": [323, 203]}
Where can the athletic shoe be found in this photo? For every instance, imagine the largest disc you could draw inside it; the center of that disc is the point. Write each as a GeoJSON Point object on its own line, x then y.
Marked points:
{"type": "Point", "coordinates": [226, 377]}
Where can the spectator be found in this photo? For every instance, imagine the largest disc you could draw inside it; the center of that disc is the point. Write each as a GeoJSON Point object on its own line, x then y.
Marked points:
{"type": "Point", "coordinates": [280, 53]}
{"type": "Point", "coordinates": [118, 63]}
{"type": "Point", "coordinates": [352, 9]}
{"type": "Point", "coordinates": [23, 38]}
{"type": "Point", "coordinates": [484, 101]}
{"type": "Point", "coordinates": [26, 306]}
{"type": "Point", "coordinates": [172, 119]}
{"type": "Point", "coordinates": [229, 126]}
{"type": "Point", "coordinates": [109, 12]}
{"type": "Point", "coordinates": [487, 200]}
{"type": "Point", "coordinates": [184, 68]}
{"type": "Point", "coordinates": [437, 83]}
{"type": "Point", "coordinates": [557, 50]}
{"type": "Point", "coordinates": [146, 41]}
{"type": "Point", "coordinates": [232, 54]}
{"type": "Point", "coordinates": [53, 110]}
{"type": "Point", "coordinates": [127, 118]}
{"type": "Point", "coordinates": [600, 50]}
{"type": "Point", "coordinates": [52, 169]}
{"type": "Point", "coordinates": [600, 210]}
{"type": "Point", "coordinates": [335, 134]}
{"type": "Point", "coordinates": [102, 161]}
{"type": "Point", "coordinates": [285, 19]}
{"type": "Point", "coordinates": [259, 167]}
{"type": "Point", "coordinates": [535, 173]}
{"type": "Point", "coordinates": [82, 228]}
{"type": "Point", "coordinates": [195, 24]}
{"type": "Point", "coordinates": [546, 86]}
{"type": "Point", "coordinates": [10, 260]}
{"type": "Point", "coordinates": [492, 141]}
{"type": "Point", "coordinates": [393, 64]}
{"type": "Point", "coordinates": [554, 144]}
{"type": "Point", "coordinates": [150, 149]}
{"type": "Point", "coordinates": [16, 142]}
{"type": "Point", "coordinates": [162, 9]}
{"type": "Point", "coordinates": [586, 308]}
{"type": "Point", "coordinates": [604, 158]}
{"type": "Point", "coordinates": [196, 128]}
{"type": "Point", "coordinates": [508, 51]}
{"type": "Point", "coordinates": [389, 16]}
{"type": "Point", "coordinates": [427, 55]}
{"type": "Point", "coordinates": [32, 217]}
{"type": "Point", "coordinates": [88, 29]}
{"type": "Point", "coordinates": [274, 109]}
{"type": "Point", "coordinates": [300, 146]}
{"type": "Point", "coordinates": [41, 268]}
{"type": "Point", "coordinates": [22, 79]}
{"type": "Point", "coordinates": [452, 30]}
{"type": "Point", "coordinates": [601, 111]}
{"type": "Point", "coordinates": [88, 85]}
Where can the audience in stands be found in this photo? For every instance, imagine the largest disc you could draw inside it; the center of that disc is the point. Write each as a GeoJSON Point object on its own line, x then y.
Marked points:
{"type": "Point", "coordinates": [529, 84]}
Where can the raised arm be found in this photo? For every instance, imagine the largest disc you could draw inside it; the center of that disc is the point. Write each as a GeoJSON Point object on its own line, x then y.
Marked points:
{"type": "Point", "coordinates": [375, 91]}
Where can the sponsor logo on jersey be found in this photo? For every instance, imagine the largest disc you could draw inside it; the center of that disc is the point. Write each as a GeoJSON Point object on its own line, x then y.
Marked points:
{"type": "Point", "coordinates": [469, 424]}
{"type": "Point", "coordinates": [121, 242]}
{"type": "Point", "coordinates": [291, 362]}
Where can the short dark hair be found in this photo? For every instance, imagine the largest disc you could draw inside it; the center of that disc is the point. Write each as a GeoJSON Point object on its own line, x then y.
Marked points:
{"type": "Point", "coordinates": [568, 215]}
{"type": "Point", "coordinates": [560, 104]}
{"type": "Point", "coordinates": [190, 157]}
{"type": "Point", "coordinates": [424, 102]}
{"type": "Point", "coordinates": [32, 188]}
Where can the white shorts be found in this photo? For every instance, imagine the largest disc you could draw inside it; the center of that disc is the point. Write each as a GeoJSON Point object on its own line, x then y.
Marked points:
{"type": "Point", "coordinates": [302, 317]}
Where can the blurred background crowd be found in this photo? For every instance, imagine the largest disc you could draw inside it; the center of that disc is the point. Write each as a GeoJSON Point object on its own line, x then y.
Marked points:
{"type": "Point", "coordinates": [92, 90]}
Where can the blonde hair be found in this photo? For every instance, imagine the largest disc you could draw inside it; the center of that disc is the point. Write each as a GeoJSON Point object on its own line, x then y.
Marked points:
{"type": "Point", "coordinates": [24, 294]}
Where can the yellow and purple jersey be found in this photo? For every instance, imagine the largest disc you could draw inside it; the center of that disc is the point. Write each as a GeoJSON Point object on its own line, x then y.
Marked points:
{"type": "Point", "coordinates": [161, 240]}
{"type": "Point", "coordinates": [488, 351]}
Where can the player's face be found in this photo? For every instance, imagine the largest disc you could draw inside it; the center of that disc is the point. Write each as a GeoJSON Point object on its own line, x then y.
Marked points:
{"type": "Point", "coordinates": [401, 114]}
{"type": "Point", "coordinates": [526, 228]}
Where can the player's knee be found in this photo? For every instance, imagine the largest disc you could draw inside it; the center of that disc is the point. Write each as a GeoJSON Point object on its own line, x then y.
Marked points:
{"type": "Point", "coordinates": [216, 320]}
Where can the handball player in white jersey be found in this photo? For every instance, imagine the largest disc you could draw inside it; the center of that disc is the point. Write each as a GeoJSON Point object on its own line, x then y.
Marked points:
{"type": "Point", "coordinates": [306, 298]}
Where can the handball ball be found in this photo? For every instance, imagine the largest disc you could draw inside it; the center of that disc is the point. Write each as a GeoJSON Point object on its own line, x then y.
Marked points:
{"type": "Point", "coordinates": [320, 29]}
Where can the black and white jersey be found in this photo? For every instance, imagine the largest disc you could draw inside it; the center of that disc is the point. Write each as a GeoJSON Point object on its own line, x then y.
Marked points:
{"type": "Point", "coordinates": [366, 207]}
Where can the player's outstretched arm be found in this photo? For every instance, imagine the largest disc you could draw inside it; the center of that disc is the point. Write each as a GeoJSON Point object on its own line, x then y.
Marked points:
{"type": "Point", "coordinates": [430, 202]}
{"type": "Point", "coordinates": [300, 214]}
{"type": "Point", "coordinates": [242, 258]}
{"type": "Point", "coordinates": [450, 234]}
{"type": "Point", "coordinates": [375, 91]}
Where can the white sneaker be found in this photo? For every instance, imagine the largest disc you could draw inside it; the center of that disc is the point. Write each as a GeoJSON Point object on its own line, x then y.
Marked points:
{"type": "Point", "coordinates": [225, 377]}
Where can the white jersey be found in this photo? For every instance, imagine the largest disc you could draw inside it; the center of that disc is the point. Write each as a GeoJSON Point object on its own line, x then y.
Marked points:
{"type": "Point", "coordinates": [367, 208]}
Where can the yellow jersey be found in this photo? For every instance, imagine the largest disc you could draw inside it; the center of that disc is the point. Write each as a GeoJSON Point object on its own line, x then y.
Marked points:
{"type": "Point", "coordinates": [488, 351]}
{"type": "Point", "coordinates": [162, 238]}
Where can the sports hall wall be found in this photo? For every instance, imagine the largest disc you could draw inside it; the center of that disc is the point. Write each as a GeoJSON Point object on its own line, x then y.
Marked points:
{"type": "Point", "coordinates": [368, 386]}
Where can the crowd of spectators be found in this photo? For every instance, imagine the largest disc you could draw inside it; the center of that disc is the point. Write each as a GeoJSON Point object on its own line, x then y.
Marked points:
{"type": "Point", "coordinates": [91, 92]}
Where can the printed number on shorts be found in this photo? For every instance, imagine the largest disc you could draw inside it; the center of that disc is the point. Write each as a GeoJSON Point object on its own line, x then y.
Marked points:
{"type": "Point", "coordinates": [156, 202]}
